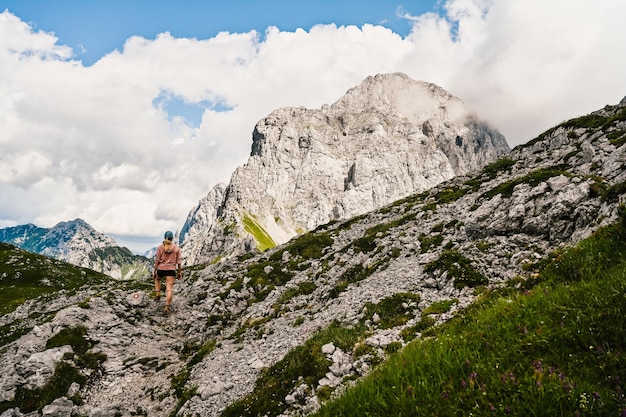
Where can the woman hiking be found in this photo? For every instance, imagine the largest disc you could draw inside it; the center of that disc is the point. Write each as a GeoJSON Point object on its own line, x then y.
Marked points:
{"type": "Point", "coordinates": [166, 264]}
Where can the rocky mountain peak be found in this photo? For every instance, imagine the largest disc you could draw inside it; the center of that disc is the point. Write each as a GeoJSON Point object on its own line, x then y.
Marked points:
{"type": "Point", "coordinates": [386, 138]}
{"type": "Point", "coordinates": [78, 243]}
{"type": "Point", "coordinates": [399, 94]}
{"type": "Point", "coordinates": [72, 239]}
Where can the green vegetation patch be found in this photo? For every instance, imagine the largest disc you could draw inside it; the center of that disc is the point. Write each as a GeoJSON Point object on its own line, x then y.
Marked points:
{"type": "Point", "coordinates": [613, 193]}
{"type": "Point", "coordinates": [355, 274]}
{"type": "Point", "coordinates": [591, 122]}
{"type": "Point", "coordinates": [427, 242]}
{"type": "Point", "coordinates": [65, 374]}
{"type": "Point", "coordinates": [25, 276]}
{"type": "Point", "coordinates": [533, 179]}
{"type": "Point", "coordinates": [493, 169]}
{"type": "Point", "coordinates": [306, 364]}
{"type": "Point", "coordinates": [367, 242]}
{"type": "Point", "coordinates": [459, 268]}
{"type": "Point", "coordinates": [555, 348]}
{"type": "Point", "coordinates": [262, 283]}
{"type": "Point", "coordinates": [410, 333]}
{"type": "Point", "coordinates": [76, 337]}
{"type": "Point", "coordinates": [36, 399]}
{"type": "Point", "coordinates": [427, 321]}
{"type": "Point", "coordinates": [263, 240]}
{"type": "Point", "coordinates": [440, 307]}
{"type": "Point", "coordinates": [391, 310]}
{"type": "Point", "coordinates": [617, 138]}
{"type": "Point", "coordinates": [595, 121]}
{"type": "Point", "coordinates": [450, 194]}
{"type": "Point", "coordinates": [307, 246]}
{"type": "Point", "coordinates": [490, 172]}
{"type": "Point", "coordinates": [303, 288]}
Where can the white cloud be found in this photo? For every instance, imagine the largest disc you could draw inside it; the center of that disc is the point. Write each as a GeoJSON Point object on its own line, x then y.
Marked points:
{"type": "Point", "coordinates": [94, 142]}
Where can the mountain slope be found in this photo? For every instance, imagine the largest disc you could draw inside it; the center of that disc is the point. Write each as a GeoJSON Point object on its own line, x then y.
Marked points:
{"type": "Point", "coordinates": [551, 345]}
{"type": "Point", "coordinates": [25, 275]}
{"type": "Point", "coordinates": [78, 243]}
{"type": "Point", "coordinates": [385, 139]}
{"type": "Point", "coordinates": [328, 306]}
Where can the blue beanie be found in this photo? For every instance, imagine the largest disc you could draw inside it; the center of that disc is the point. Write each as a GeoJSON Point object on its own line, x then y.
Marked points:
{"type": "Point", "coordinates": [169, 235]}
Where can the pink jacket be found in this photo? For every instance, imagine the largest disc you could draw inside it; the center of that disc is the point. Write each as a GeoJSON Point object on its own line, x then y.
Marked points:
{"type": "Point", "coordinates": [167, 260]}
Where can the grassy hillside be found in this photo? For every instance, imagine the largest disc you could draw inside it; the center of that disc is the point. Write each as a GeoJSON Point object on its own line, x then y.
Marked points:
{"type": "Point", "coordinates": [554, 345]}
{"type": "Point", "coordinates": [551, 345]}
{"type": "Point", "coordinates": [26, 275]}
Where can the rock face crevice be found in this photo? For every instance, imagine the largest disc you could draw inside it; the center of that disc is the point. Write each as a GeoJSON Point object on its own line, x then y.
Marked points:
{"type": "Point", "coordinates": [386, 138]}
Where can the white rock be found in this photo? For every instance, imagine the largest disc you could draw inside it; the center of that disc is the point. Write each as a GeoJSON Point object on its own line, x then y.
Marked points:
{"type": "Point", "coordinates": [328, 348]}
{"type": "Point", "coordinates": [257, 364]}
{"type": "Point", "coordinates": [61, 407]}
{"type": "Point", "coordinates": [137, 299]}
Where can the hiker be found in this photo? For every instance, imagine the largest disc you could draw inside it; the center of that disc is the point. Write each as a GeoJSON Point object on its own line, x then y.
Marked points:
{"type": "Point", "coordinates": [166, 264]}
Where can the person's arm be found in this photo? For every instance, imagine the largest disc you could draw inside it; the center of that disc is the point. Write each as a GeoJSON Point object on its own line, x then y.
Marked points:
{"type": "Point", "coordinates": [179, 264]}
{"type": "Point", "coordinates": [156, 263]}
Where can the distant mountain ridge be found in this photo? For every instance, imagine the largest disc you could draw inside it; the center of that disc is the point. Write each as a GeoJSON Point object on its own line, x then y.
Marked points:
{"type": "Point", "coordinates": [78, 243]}
{"type": "Point", "coordinates": [385, 139]}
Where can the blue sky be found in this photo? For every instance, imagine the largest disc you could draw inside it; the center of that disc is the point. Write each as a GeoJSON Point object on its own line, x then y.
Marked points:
{"type": "Point", "coordinates": [126, 113]}
{"type": "Point", "coordinates": [95, 27]}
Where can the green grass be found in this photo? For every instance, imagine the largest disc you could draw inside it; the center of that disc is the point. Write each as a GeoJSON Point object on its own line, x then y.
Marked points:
{"type": "Point", "coordinates": [533, 179]}
{"type": "Point", "coordinates": [263, 240]}
{"type": "Point", "coordinates": [446, 195]}
{"type": "Point", "coordinates": [25, 276]}
{"type": "Point", "coordinates": [262, 283]}
{"type": "Point", "coordinates": [65, 373]}
{"type": "Point", "coordinates": [307, 246]}
{"type": "Point", "coordinates": [302, 288]}
{"type": "Point", "coordinates": [590, 122]}
{"type": "Point", "coordinates": [367, 242]}
{"type": "Point", "coordinates": [459, 268]}
{"type": "Point", "coordinates": [355, 274]}
{"type": "Point", "coordinates": [429, 241]}
{"type": "Point", "coordinates": [554, 347]}
{"type": "Point", "coordinates": [390, 310]}
{"type": "Point", "coordinates": [304, 364]}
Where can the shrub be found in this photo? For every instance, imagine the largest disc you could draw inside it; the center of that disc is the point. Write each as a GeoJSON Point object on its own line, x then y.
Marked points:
{"type": "Point", "coordinates": [428, 242]}
{"type": "Point", "coordinates": [459, 268]}
{"type": "Point", "coordinates": [533, 179]}
{"type": "Point", "coordinates": [613, 193]}
{"type": "Point", "coordinates": [450, 194]}
{"type": "Point", "coordinates": [307, 246]}
{"type": "Point", "coordinates": [391, 310]}
{"type": "Point", "coordinates": [425, 323]}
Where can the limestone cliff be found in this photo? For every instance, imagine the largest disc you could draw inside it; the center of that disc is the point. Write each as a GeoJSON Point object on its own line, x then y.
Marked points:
{"type": "Point", "coordinates": [385, 139]}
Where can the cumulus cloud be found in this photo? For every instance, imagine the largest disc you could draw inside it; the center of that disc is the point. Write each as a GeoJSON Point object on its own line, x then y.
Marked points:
{"type": "Point", "coordinates": [97, 142]}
